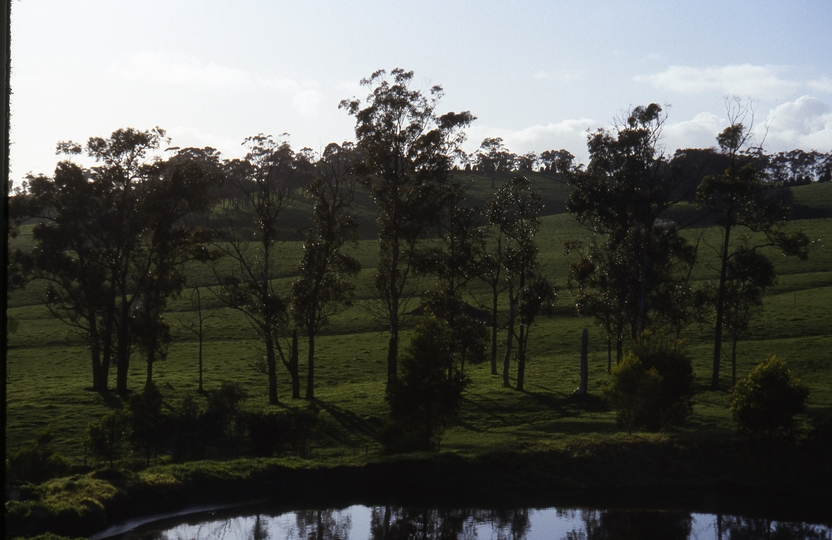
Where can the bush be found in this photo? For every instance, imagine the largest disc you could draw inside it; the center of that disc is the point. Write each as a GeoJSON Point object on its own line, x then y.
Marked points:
{"type": "Point", "coordinates": [191, 436]}
{"type": "Point", "coordinates": [271, 432]}
{"type": "Point", "coordinates": [668, 357]}
{"type": "Point", "coordinates": [425, 400]}
{"type": "Point", "coordinates": [36, 462]}
{"type": "Point", "coordinates": [148, 424]}
{"type": "Point", "coordinates": [652, 388]}
{"type": "Point", "coordinates": [107, 439]}
{"type": "Point", "coordinates": [765, 403]}
{"type": "Point", "coordinates": [634, 392]}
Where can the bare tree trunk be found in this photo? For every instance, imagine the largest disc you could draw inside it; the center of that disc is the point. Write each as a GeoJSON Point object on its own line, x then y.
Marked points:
{"type": "Point", "coordinates": [720, 308]}
{"type": "Point", "coordinates": [271, 365]}
{"type": "Point", "coordinates": [494, 326]}
{"type": "Point", "coordinates": [509, 344]}
{"type": "Point", "coordinates": [310, 366]}
{"type": "Point", "coordinates": [521, 357]}
{"type": "Point", "coordinates": [123, 350]}
{"type": "Point", "coordinates": [584, 363]}
{"type": "Point", "coordinates": [294, 370]}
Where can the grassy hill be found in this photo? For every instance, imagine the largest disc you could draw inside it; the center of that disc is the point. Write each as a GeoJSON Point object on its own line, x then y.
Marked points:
{"type": "Point", "coordinates": [49, 367]}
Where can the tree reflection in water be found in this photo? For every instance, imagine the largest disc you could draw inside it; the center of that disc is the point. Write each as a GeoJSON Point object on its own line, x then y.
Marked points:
{"type": "Point", "coordinates": [395, 523]}
{"type": "Point", "coordinates": [613, 524]}
{"type": "Point", "coordinates": [323, 524]}
{"type": "Point", "coordinates": [401, 523]}
{"type": "Point", "coordinates": [741, 528]}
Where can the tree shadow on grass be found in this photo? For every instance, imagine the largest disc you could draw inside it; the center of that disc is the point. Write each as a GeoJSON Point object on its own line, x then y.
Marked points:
{"type": "Point", "coordinates": [349, 428]}
{"type": "Point", "coordinates": [572, 405]}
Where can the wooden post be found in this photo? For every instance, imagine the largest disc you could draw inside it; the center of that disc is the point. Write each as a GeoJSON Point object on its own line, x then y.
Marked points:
{"type": "Point", "coordinates": [584, 362]}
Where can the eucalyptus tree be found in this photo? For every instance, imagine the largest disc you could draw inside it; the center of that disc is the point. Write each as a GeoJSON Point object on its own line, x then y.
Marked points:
{"type": "Point", "coordinates": [323, 287]}
{"type": "Point", "coordinates": [514, 212]}
{"type": "Point", "coordinates": [112, 239]}
{"type": "Point", "coordinates": [407, 154]}
{"type": "Point", "coordinates": [638, 263]}
{"type": "Point", "coordinates": [454, 259]}
{"type": "Point", "coordinates": [249, 236]}
{"type": "Point", "coordinates": [740, 198]}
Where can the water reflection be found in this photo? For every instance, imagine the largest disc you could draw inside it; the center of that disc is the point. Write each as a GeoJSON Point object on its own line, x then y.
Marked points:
{"type": "Point", "coordinates": [402, 523]}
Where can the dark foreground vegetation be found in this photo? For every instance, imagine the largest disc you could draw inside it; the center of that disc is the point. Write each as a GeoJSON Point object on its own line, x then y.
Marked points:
{"type": "Point", "coordinates": [395, 321]}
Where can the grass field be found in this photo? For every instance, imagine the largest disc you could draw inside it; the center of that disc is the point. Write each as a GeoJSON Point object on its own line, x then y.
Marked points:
{"type": "Point", "coordinates": [49, 372]}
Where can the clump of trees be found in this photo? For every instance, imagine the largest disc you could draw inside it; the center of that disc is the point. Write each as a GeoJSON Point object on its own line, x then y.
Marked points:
{"type": "Point", "coordinates": [112, 241]}
{"type": "Point", "coordinates": [634, 274]}
{"type": "Point", "coordinates": [146, 427]}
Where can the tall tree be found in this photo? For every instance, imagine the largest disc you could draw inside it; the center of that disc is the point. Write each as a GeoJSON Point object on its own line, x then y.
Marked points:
{"type": "Point", "coordinates": [491, 272]}
{"type": "Point", "coordinates": [750, 275]}
{"type": "Point", "coordinates": [514, 211]}
{"type": "Point", "coordinates": [408, 151]}
{"type": "Point", "coordinates": [109, 236]}
{"type": "Point", "coordinates": [323, 287]}
{"type": "Point", "coordinates": [455, 259]}
{"type": "Point", "coordinates": [738, 198]}
{"type": "Point", "coordinates": [639, 256]}
{"type": "Point", "coordinates": [249, 236]}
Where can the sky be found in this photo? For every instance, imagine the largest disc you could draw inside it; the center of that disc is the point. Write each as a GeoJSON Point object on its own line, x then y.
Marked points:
{"type": "Point", "coordinates": [537, 73]}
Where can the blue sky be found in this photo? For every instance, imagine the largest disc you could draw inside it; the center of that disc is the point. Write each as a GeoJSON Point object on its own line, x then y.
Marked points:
{"type": "Point", "coordinates": [539, 74]}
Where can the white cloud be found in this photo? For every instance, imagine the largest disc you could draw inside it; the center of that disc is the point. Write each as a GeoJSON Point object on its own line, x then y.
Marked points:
{"type": "Point", "coordinates": [306, 102]}
{"type": "Point", "coordinates": [740, 80]}
{"type": "Point", "coordinates": [823, 85]}
{"type": "Point", "coordinates": [562, 75]}
{"type": "Point", "coordinates": [698, 132]}
{"type": "Point", "coordinates": [569, 134]}
{"type": "Point", "coordinates": [180, 70]}
{"type": "Point", "coordinates": [804, 123]}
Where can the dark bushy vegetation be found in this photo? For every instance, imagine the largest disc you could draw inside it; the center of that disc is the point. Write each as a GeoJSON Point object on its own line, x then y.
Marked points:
{"type": "Point", "coordinates": [426, 399]}
{"type": "Point", "coordinates": [278, 432]}
{"type": "Point", "coordinates": [652, 388]}
{"type": "Point", "coordinates": [765, 403]}
{"type": "Point", "coordinates": [36, 461]}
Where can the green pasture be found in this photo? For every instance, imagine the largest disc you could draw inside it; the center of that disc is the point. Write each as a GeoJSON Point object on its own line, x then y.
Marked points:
{"type": "Point", "coordinates": [49, 375]}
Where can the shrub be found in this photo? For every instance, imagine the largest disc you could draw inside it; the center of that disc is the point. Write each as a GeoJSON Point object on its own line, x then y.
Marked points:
{"type": "Point", "coordinates": [147, 421]}
{"type": "Point", "coordinates": [266, 431]}
{"type": "Point", "coordinates": [36, 462]}
{"type": "Point", "coordinates": [634, 392]}
{"type": "Point", "coordinates": [425, 400]}
{"type": "Point", "coordinates": [107, 439]}
{"type": "Point", "coordinates": [668, 357]}
{"type": "Point", "coordinates": [765, 403]}
{"type": "Point", "coordinates": [191, 436]}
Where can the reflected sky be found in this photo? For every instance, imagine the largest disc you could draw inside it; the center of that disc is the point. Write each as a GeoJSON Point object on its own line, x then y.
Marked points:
{"type": "Point", "coordinates": [395, 523]}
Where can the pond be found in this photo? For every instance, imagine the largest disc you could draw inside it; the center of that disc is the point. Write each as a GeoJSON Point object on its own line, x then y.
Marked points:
{"type": "Point", "coordinates": [263, 521]}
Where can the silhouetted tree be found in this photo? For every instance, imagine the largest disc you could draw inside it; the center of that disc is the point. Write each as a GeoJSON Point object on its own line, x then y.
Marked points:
{"type": "Point", "coordinates": [111, 240]}
{"type": "Point", "coordinates": [323, 287]}
{"type": "Point", "coordinates": [636, 272]}
{"type": "Point", "coordinates": [408, 151]}
{"type": "Point", "coordinates": [514, 211]}
{"type": "Point", "coordinates": [737, 199]}
{"type": "Point", "coordinates": [250, 238]}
